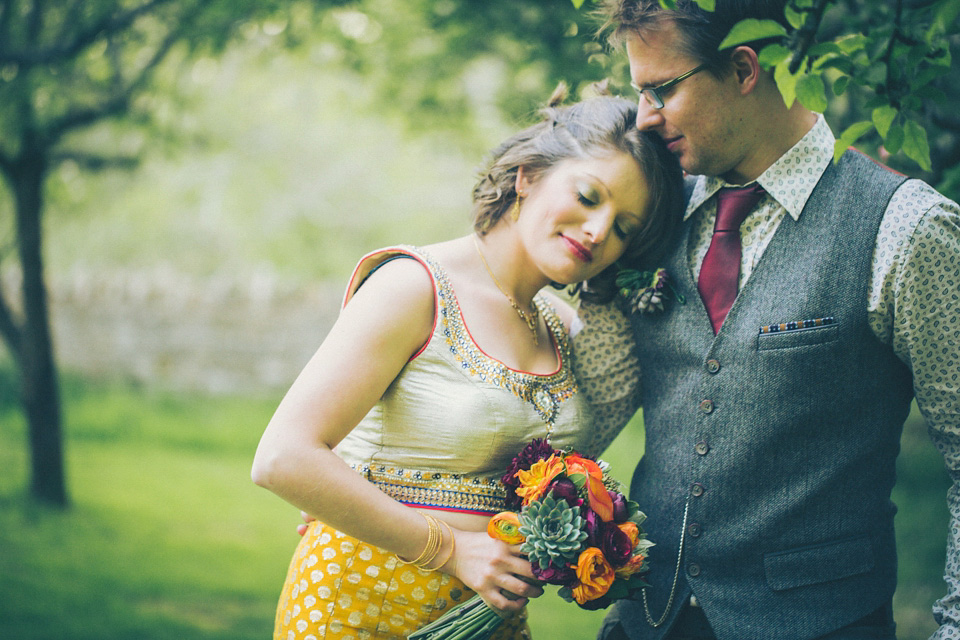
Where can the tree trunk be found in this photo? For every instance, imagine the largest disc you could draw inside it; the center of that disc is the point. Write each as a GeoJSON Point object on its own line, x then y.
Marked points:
{"type": "Point", "coordinates": [40, 391]}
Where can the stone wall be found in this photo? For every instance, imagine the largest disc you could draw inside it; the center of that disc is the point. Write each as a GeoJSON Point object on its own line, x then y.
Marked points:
{"type": "Point", "coordinates": [220, 335]}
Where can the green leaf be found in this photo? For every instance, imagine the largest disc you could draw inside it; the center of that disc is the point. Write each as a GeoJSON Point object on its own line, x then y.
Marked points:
{"type": "Point", "coordinates": [893, 141]}
{"type": "Point", "coordinates": [932, 93]}
{"type": "Point", "coordinates": [811, 92]}
{"type": "Point", "coordinates": [752, 29]}
{"type": "Point", "coordinates": [618, 590]}
{"type": "Point", "coordinates": [927, 75]}
{"type": "Point", "coordinates": [850, 135]}
{"type": "Point", "coordinates": [668, 4]}
{"type": "Point", "coordinates": [915, 144]}
{"type": "Point", "coordinates": [707, 5]}
{"type": "Point", "coordinates": [577, 3]}
{"type": "Point", "coordinates": [853, 43]}
{"type": "Point", "coordinates": [794, 17]}
{"type": "Point", "coordinates": [578, 479]}
{"type": "Point", "coordinates": [840, 85]}
{"type": "Point", "coordinates": [824, 48]}
{"type": "Point", "coordinates": [772, 55]}
{"type": "Point", "coordinates": [786, 83]}
{"type": "Point", "coordinates": [882, 118]}
{"type": "Point", "coordinates": [911, 103]}
{"type": "Point", "coordinates": [946, 15]}
{"type": "Point", "coordinates": [842, 64]}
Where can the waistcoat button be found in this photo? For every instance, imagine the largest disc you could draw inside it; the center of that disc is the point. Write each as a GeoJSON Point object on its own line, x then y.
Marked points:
{"type": "Point", "coordinates": [694, 530]}
{"type": "Point", "coordinates": [702, 448]}
{"type": "Point", "coordinates": [693, 569]}
{"type": "Point", "coordinates": [713, 366]}
{"type": "Point", "coordinates": [697, 490]}
{"type": "Point", "coordinates": [706, 406]}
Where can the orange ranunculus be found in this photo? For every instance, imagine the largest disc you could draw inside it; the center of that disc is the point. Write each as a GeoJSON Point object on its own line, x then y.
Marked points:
{"type": "Point", "coordinates": [535, 481]}
{"type": "Point", "coordinates": [505, 526]}
{"type": "Point", "coordinates": [595, 575]}
{"type": "Point", "coordinates": [634, 565]}
{"type": "Point", "coordinates": [600, 500]}
{"type": "Point", "coordinates": [632, 531]}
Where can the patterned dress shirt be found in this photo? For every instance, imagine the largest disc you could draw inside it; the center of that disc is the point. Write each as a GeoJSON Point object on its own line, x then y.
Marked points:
{"type": "Point", "coordinates": [913, 305]}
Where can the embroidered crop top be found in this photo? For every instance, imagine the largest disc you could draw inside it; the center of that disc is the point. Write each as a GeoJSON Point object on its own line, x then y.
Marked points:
{"type": "Point", "coordinates": [448, 425]}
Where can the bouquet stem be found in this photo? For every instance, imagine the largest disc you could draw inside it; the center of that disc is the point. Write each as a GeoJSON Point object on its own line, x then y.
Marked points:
{"type": "Point", "coordinates": [472, 620]}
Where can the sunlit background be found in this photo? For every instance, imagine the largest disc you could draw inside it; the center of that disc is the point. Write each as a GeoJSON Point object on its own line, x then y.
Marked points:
{"type": "Point", "coordinates": [196, 245]}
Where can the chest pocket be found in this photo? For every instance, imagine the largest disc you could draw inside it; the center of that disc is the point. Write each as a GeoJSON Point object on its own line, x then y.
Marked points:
{"type": "Point", "coordinates": [797, 338]}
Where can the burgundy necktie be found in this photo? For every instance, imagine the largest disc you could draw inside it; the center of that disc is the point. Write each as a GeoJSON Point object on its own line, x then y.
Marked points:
{"type": "Point", "coordinates": [720, 271]}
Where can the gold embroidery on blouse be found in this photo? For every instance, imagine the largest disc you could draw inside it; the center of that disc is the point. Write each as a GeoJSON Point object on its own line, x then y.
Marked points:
{"type": "Point", "coordinates": [544, 392]}
{"type": "Point", "coordinates": [450, 491]}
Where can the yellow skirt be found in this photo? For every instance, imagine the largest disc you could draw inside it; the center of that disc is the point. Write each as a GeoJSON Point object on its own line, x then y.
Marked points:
{"type": "Point", "coordinates": [341, 588]}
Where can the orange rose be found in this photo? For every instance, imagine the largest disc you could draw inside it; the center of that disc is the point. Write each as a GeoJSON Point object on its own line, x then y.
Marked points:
{"type": "Point", "coordinates": [505, 526]}
{"type": "Point", "coordinates": [535, 481]}
{"type": "Point", "coordinates": [632, 531]}
{"type": "Point", "coordinates": [595, 574]}
{"type": "Point", "coordinates": [600, 500]}
{"type": "Point", "coordinates": [634, 565]}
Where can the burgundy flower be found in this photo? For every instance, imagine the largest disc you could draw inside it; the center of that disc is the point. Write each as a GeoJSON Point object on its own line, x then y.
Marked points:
{"type": "Point", "coordinates": [620, 510]}
{"type": "Point", "coordinates": [563, 488]}
{"type": "Point", "coordinates": [594, 528]}
{"type": "Point", "coordinates": [539, 449]}
{"type": "Point", "coordinates": [555, 575]}
{"type": "Point", "coordinates": [616, 545]}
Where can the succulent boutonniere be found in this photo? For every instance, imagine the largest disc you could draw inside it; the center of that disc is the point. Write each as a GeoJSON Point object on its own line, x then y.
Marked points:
{"type": "Point", "coordinates": [646, 291]}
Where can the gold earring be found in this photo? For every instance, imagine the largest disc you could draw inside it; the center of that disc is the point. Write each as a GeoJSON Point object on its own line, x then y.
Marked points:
{"type": "Point", "coordinates": [515, 210]}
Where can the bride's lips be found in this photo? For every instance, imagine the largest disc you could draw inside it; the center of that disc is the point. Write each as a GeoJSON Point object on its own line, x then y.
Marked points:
{"type": "Point", "coordinates": [578, 249]}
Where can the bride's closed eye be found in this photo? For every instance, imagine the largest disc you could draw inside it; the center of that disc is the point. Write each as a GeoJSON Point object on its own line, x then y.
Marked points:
{"type": "Point", "coordinates": [587, 195]}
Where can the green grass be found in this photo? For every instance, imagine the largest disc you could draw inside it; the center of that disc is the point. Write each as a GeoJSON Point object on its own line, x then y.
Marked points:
{"type": "Point", "coordinates": [168, 538]}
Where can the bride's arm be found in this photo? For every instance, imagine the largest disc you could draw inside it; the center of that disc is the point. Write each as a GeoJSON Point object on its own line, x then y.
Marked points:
{"type": "Point", "coordinates": [386, 322]}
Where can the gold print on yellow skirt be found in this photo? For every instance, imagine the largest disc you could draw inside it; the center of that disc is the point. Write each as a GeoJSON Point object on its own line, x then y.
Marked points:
{"type": "Point", "coordinates": [338, 587]}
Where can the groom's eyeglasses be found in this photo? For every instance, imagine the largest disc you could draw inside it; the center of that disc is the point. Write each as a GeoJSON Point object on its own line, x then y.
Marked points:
{"type": "Point", "coordinates": [654, 95]}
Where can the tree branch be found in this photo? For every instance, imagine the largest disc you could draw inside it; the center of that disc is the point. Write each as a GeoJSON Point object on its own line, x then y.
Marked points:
{"type": "Point", "coordinates": [81, 117]}
{"type": "Point", "coordinates": [888, 57]}
{"type": "Point", "coordinates": [67, 49]}
{"type": "Point", "coordinates": [35, 21]}
{"type": "Point", "coordinates": [95, 162]}
{"type": "Point", "coordinates": [808, 34]}
{"type": "Point", "coordinates": [120, 100]}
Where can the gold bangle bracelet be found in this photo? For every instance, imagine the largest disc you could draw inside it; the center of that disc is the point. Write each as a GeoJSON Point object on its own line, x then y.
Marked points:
{"type": "Point", "coordinates": [432, 547]}
{"type": "Point", "coordinates": [453, 546]}
{"type": "Point", "coordinates": [430, 556]}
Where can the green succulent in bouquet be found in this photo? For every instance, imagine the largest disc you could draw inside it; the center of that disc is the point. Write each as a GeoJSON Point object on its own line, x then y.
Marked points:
{"type": "Point", "coordinates": [554, 532]}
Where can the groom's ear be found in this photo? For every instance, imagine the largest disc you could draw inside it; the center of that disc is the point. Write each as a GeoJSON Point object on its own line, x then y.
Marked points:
{"type": "Point", "coordinates": [746, 67]}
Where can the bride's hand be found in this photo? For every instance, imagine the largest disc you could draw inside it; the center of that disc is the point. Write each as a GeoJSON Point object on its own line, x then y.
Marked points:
{"type": "Point", "coordinates": [307, 519]}
{"type": "Point", "coordinates": [499, 573]}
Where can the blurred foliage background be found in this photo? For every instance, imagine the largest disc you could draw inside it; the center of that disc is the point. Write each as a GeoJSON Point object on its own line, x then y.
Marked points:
{"type": "Point", "coordinates": [274, 142]}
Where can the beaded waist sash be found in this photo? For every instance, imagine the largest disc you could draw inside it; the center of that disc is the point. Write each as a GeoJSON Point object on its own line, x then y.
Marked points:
{"type": "Point", "coordinates": [437, 490]}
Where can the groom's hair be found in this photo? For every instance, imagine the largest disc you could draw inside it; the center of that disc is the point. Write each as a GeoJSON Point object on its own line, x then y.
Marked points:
{"type": "Point", "coordinates": [702, 31]}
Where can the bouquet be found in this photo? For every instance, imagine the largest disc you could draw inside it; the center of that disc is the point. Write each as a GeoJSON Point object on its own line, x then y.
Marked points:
{"type": "Point", "coordinates": [578, 530]}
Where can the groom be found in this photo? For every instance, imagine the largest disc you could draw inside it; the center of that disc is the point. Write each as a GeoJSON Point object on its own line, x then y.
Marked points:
{"type": "Point", "coordinates": [819, 301]}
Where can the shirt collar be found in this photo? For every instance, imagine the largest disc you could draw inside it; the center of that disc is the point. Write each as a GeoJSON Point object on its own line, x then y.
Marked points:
{"type": "Point", "coordinates": [811, 155]}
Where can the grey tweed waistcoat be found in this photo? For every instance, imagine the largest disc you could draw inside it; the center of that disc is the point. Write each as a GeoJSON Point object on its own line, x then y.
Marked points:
{"type": "Point", "coordinates": [782, 442]}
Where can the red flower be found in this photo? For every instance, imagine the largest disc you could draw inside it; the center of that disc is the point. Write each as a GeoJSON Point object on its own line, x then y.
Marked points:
{"type": "Point", "coordinates": [617, 546]}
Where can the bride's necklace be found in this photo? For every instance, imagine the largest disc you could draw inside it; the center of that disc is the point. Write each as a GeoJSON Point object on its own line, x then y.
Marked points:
{"type": "Point", "coordinates": [531, 317]}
